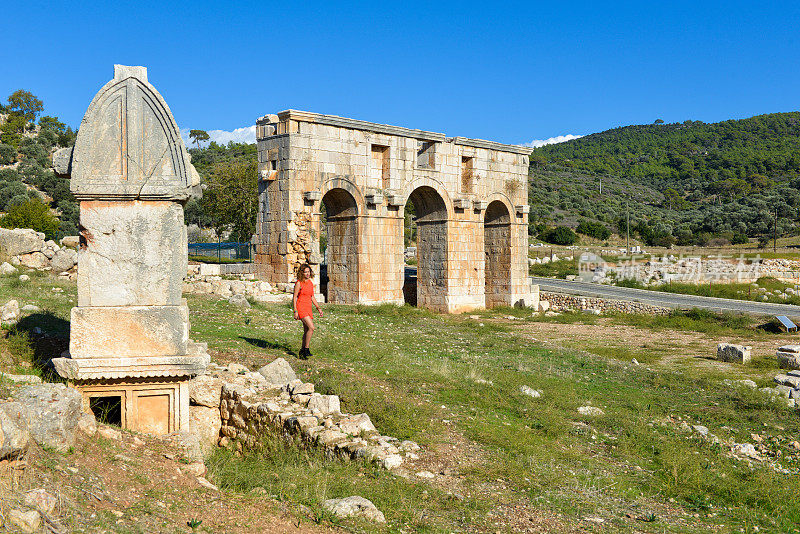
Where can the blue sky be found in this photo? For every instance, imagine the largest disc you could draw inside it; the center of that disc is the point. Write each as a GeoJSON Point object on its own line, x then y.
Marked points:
{"type": "Point", "coordinates": [510, 72]}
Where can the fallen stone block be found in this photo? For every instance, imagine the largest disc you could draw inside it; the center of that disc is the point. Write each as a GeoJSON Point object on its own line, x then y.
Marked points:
{"type": "Point", "coordinates": [278, 372]}
{"type": "Point", "coordinates": [788, 357]}
{"type": "Point", "coordinates": [728, 352]}
{"type": "Point", "coordinates": [52, 411]}
{"type": "Point", "coordinates": [205, 390]}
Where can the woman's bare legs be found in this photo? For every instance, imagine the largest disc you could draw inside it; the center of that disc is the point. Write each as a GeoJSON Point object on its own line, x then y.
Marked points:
{"type": "Point", "coordinates": [308, 330]}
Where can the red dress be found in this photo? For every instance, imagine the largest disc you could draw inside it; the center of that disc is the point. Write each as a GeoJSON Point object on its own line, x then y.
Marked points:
{"type": "Point", "coordinates": [304, 299]}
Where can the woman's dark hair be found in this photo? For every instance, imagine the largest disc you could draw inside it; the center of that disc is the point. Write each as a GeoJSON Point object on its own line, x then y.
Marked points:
{"type": "Point", "coordinates": [302, 268]}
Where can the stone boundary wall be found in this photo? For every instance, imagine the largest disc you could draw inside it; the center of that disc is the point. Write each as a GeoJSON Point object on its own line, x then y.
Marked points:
{"type": "Point", "coordinates": [560, 301]}
{"type": "Point", "coordinates": [340, 435]}
{"type": "Point", "coordinates": [230, 405]}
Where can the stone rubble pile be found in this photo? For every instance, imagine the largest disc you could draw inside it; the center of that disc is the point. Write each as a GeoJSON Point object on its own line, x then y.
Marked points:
{"type": "Point", "coordinates": [28, 248]}
{"type": "Point", "coordinates": [759, 453]}
{"type": "Point", "coordinates": [563, 302]}
{"type": "Point", "coordinates": [245, 285]}
{"type": "Point", "coordinates": [250, 404]}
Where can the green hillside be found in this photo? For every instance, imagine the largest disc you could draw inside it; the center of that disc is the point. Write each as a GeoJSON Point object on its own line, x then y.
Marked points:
{"type": "Point", "coordinates": [688, 182]}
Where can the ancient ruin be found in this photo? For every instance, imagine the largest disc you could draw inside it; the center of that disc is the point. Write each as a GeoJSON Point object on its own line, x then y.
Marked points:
{"type": "Point", "coordinates": [129, 339]}
{"type": "Point", "coordinates": [470, 199]}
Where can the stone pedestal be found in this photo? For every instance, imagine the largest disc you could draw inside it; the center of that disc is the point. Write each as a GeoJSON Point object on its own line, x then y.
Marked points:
{"type": "Point", "coordinates": [129, 335]}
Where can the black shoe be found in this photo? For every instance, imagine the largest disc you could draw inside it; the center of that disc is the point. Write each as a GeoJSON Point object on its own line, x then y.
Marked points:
{"type": "Point", "coordinates": [308, 353]}
{"type": "Point", "coordinates": [303, 354]}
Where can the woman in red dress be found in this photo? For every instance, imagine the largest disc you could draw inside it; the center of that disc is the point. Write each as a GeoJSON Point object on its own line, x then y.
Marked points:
{"type": "Point", "coordinates": [302, 301]}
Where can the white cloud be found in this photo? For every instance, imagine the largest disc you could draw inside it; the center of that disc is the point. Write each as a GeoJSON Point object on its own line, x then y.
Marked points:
{"type": "Point", "coordinates": [246, 134]}
{"type": "Point", "coordinates": [536, 143]}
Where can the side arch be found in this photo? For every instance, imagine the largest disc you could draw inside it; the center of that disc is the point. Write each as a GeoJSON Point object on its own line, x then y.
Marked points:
{"type": "Point", "coordinates": [347, 185]}
{"type": "Point", "coordinates": [433, 184]}
{"type": "Point", "coordinates": [502, 197]}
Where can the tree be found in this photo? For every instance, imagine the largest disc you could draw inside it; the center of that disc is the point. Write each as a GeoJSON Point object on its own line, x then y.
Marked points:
{"type": "Point", "coordinates": [231, 197]}
{"type": "Point", "coordinates": [560, 235]}
{"type": "Point", "coordinates": [52, 124]}
{"type": "Point", "coordinates": [593, 229]}
{"type": "Point", "coordinates": [537, 161]}
{"type": "Point", "coordinates": [198, 135]}
{"type": "Point", "coordinates": [24, 104]}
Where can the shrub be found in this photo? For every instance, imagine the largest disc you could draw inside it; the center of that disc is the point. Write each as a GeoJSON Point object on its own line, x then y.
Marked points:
{"type": "Point", "coordinates": [9, 190]}
{"type": "Point", "coordinates": [739, 239]}
{"type": "Point", "coordinates": [9, 175]}
{"type": "Point", "coordinates": [7, 154]}
{"type": "Point", "coordinates": [31, 214]}
{"type": "Point", "coordinates": [593, 229]}
{"type": "Point", "coordinates": [560, 235]}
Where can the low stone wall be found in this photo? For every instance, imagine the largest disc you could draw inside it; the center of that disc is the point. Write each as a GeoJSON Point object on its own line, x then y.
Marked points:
{"type": "Point", "coordinates": [231, 403]}
{"type": "Point", "coordinates": [560, 301]}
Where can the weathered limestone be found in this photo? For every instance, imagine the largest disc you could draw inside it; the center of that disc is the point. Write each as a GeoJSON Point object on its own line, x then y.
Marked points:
{"type": "Point", "coordinates": [469, 195]}
{"type": "Point", "coordinates": [727, 352]}
{"type": "Point", "coordinates": [129, 335]}
{"type": "Point", "coordinates": [789, 357]}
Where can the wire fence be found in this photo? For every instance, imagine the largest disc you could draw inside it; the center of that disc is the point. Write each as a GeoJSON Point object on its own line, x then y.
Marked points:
{"type": "Point", "coordinates": [221, 252]}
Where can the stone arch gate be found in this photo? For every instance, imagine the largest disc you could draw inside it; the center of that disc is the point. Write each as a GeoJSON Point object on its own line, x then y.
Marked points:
{"type": "Point", "coordinates": [470, 200]}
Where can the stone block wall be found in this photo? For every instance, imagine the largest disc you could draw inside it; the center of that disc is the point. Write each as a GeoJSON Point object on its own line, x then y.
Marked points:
{"type": "Point", "coordinates": [560, 301]}
{"type": "Point", "coordinates": [364, 174]}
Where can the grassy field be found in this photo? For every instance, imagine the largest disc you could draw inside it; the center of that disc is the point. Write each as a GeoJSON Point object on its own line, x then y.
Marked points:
{"type": "Point", "coordinates": [502, 461]}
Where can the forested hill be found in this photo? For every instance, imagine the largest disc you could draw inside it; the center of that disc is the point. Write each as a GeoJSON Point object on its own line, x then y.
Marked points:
{"type": "Point", "coordinates": [719, 178]}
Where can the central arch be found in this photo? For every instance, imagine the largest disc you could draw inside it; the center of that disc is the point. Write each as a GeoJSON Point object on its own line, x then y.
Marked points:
{"type": "Point", "coordinates": [340, 258]}
{"type": "Point", "coordinates": [431, 232]}
{"type": "Point", "coordinates": [497, 248]}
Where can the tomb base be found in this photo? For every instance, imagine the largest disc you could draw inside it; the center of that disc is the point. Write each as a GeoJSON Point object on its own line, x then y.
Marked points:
{"type": "Point", "coordinates": [151, 405]}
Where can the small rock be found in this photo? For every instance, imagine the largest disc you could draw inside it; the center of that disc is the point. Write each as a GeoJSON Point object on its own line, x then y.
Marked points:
{"type": "Point", "coordinates": [700, 429]}
{"type": "Point", "coordinates": [117, 513]}
{"type": "Point", "coordinates": [529, 391]}
{"type": "Point", "coordinates": [9, 313]}
{"type": "Point", "coordinates": [6, 269]}
{"type": "Point", "coordinates": [41, 500]}
{"type": "Point", "coordinates": [745, 449]}
{"type": "Point", "coordinates": [425, 474]}
{"type": "Point", "coordinates": [197, 469]}
{"type": "Point", "coordinates": [391, 461]}
{"type": "Point", "coordinates": [88, 425]}
{"type": "Point", "coordinates": [110, 433]}
{"type": "Point", "coordinates": [278, 372]}
{"type": "Point", "coordinates": [237, 368]}
{"type": "Point", "coordinates": [24, 278]}
{"type": "Point", "coordinates": [30, 308]}
{"type": "Point", "coordinates": [27, 522]}
{"type": "Point", "coordinates": [354, 506]}
{"type": "Point", "coordinates": [590, 410]}
{"type": "Point", "coordinates": [240, 301]}
{"type": "Point", "coordinates": [728, 352]}
{"type": "Point", "coordinates": [634, 361]}
{"type": "Point", "coordinates": [206, 484]}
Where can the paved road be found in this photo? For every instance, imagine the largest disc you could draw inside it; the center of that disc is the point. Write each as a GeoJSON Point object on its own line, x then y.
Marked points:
{"type": "Point", "coordinates": [667, 300]}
